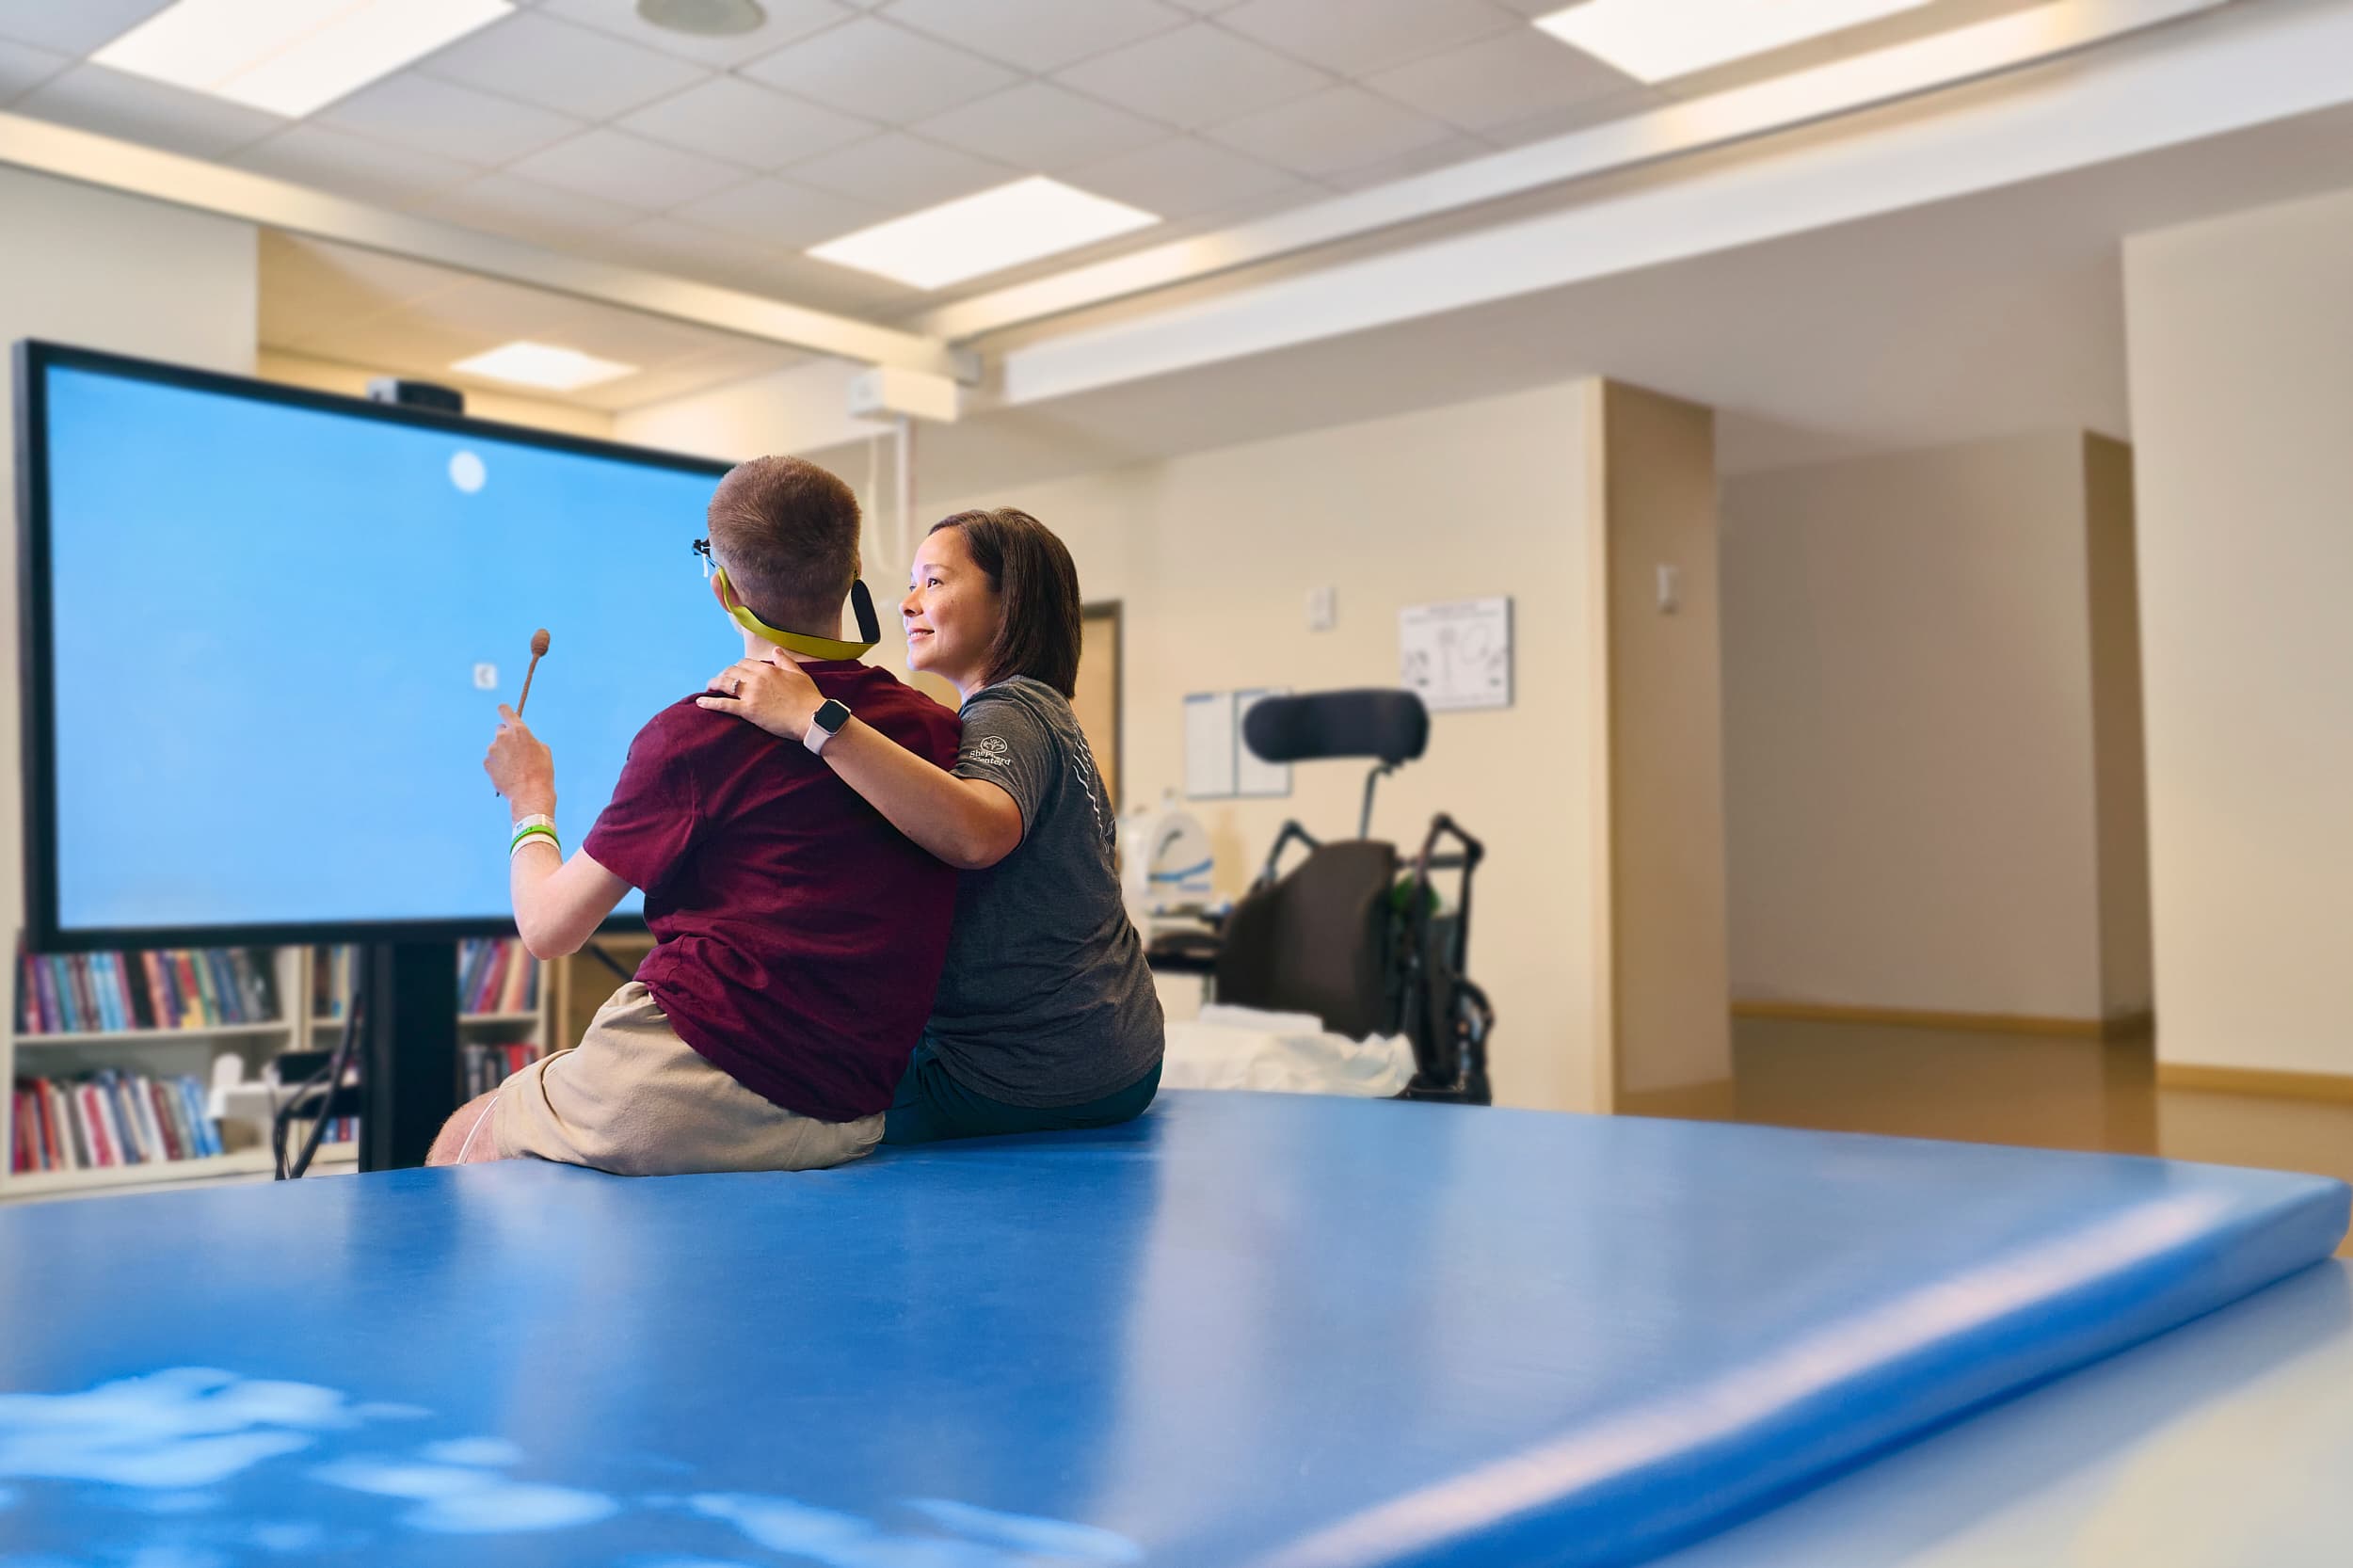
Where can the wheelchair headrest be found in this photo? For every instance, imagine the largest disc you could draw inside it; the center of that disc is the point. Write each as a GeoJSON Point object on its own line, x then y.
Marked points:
{"type": "Point", "coordinates": [1388, 723]}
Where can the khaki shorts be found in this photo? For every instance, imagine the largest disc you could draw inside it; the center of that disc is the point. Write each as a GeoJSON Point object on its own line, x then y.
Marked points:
{"type": "Point", "coordinates": [636, 1099]}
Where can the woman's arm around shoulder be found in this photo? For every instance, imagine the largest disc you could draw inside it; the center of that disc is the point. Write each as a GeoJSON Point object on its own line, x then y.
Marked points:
{"type": "Point", "coordinates": [971, 824]}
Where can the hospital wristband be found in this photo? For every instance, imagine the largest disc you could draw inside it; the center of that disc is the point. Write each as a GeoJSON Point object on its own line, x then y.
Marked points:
{"type": "Point", "coordinates": [537, 825]}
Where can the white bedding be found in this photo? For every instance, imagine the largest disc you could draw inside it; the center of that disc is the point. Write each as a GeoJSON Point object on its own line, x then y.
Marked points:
{"type": "Point", "coordinates": [1241, 1047]}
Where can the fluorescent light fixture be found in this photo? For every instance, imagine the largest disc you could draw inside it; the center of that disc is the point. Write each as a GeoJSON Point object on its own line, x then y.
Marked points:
{"type": "Point", "coordinates": [537, 364]}
{"type": "Point", "coordinates": [290, 56]}
{"type": "Point", "coordinates": [974, 234]}
{"type": "Point", "coordinates": [1654, 41]}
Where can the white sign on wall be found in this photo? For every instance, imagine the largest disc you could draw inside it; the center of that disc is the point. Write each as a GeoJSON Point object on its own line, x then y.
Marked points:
{"type": "Point", "coordinates": [1252, 775]}
{"type": "Point", "coordinates": [1457, 655]}
{"type": "Point", "coordinates": [1219, 763]}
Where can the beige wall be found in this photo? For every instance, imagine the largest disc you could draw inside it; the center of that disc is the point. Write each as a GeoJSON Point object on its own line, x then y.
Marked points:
{"type": "Point", "coordinates": [1914, 775]}
{"type": "Point", "coordinates": [1666, 810]}
{"type": "Point", "coordinates": [331, 376]}
{"type": "Point", "coordinates": [1212, 555]}
{"type": "Point", "coordinates": [2241, 340]}
{"type": "Point", "coordinates": [100, 270]}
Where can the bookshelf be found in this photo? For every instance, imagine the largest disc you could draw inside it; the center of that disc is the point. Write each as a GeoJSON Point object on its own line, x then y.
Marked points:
{"type": "Point", "coordinates": [309, 989]}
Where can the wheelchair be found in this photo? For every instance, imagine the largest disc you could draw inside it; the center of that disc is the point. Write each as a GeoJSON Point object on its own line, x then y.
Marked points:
{"type": "Point", "coordinates": [1349, 932]}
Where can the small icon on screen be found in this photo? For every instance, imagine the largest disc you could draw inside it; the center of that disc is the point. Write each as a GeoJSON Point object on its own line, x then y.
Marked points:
{"type": "Point", "coordinates": [485, 678]}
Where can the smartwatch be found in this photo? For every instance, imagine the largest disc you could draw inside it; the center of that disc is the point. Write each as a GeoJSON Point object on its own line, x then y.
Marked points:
{"type": "Point", "coordinates": [824, 725]}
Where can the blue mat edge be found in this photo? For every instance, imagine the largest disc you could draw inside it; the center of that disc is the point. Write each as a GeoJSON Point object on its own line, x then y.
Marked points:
{"type": "Point", "coordinates": [1703, 1489]}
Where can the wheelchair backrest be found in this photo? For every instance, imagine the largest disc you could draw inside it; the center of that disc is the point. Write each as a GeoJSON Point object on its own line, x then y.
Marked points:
{"type": "Point", "coordinates": [1318, 941]}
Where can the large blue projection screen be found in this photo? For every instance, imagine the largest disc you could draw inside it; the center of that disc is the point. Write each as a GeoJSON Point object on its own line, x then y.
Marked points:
{"type": "Point", "coordinates": [281, 635]}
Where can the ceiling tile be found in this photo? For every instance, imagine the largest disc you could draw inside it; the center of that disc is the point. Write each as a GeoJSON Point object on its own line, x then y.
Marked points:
{"type": "Point", "coordinates": [1040, 127]}
{"type": "Point", "coordinates": [666, 243]}
{"type": "Point", "coordinates": [115, 104]}
{"type": "Point", "coordinates": [433, 115]}
{"type": "Point", "coordinates": [1038, 35]}
{"type": "Point", "coordinates": [689, 250]}
{"type": "Point", "coordinates": [1195, 76]}
{"type": "Point", "coordinates": [1184, 177]}
{"type": "Point", "coordinates": [871, 68]}
{"type": "Point", "coordinates": [1501, 80]}
{"type": "Point", "coordinates": [1577, 117]}
{"type": "Point", "coordinates": [23, 67]}
{"type": "Point", "coordinates": [747, 124]}
{"type": "Point", "coordinates": [506, 203]}
{"type": "Point", "coordinates": [73, 27]}
{"type": "Point", "coordinates": [615, 165]}
{"type": "Point", "coordinates": [339, 162]}
{"type": "Point", "coordinates": [396, 342]}
{"type": "Point", "coordinates": [1422, 160]}
{"type": "Point", "coordinates": [901, 174]}
{"type": "Point", "coordinates": [781, 213]}
{"type": "Point", "coordinates": [1340, 129]}
{"type": "Point", "coordinates": [1364, 35]}
{"type": "Point", "coordinates": [629, 337]}
{"type": "Point", "coordinates": [573, 71]}
{"type": "Point", "coordinates": [787, 20]}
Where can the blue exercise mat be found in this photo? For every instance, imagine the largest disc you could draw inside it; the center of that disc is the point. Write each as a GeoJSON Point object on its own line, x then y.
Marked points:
{"type": "Point", "coordinates": [1248, 1332]}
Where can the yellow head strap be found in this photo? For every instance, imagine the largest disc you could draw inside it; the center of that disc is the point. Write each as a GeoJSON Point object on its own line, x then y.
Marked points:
{"type": "Point", "coordinates": [861, 605]}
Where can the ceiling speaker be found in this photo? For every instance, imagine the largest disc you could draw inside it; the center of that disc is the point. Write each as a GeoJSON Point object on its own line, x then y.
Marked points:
{"type": "Point", "coordinates": [703, 17]}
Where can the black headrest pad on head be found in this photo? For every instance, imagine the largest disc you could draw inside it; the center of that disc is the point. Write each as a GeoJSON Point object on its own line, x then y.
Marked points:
{"type": "Point", "coordinates": [1387, 724]}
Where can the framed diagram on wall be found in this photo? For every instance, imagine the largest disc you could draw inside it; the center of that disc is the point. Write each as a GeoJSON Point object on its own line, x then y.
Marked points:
{"type": "Point", "coordinates": [1456, 655]}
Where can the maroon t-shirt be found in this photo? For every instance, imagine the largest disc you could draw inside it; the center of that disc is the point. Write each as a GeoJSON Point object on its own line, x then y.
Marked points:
{"type": "Point", "coordinates": [800, 936]}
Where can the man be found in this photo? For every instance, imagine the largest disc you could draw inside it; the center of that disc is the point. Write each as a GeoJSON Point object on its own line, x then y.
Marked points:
{"type": "Point", "coordinates": [799, 935]}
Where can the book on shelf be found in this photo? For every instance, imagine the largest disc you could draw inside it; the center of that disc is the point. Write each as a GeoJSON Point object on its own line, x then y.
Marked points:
{"type": "Point", "coordinates": [497, 974]}
{"type": "Point", "coordinates": [108, 1117]}
{"type": "Point", "coordinates": [95, 993]}
{"type": "Point", "coordinates": [331, 979]}
{"type": "Point", "coordinates": [486, 1066]}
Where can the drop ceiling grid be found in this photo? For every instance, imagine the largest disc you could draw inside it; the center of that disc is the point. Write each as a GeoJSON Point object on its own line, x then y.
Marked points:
{"type": "Point", "coordinates": [574, 123]}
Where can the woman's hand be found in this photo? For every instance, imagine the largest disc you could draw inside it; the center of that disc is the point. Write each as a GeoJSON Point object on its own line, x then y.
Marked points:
{"type": "Point", "coordinates": [774, 694]}
{"type": "Point", "coordinates": [521, 766]}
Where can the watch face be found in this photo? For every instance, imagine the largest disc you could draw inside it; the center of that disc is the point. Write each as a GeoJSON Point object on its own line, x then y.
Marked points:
{"type": "Point", "coordinates": [832, 715]}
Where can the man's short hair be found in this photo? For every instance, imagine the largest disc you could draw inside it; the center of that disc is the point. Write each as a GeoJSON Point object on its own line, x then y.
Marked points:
{"type": "Point", "coordinates": [787, 531]}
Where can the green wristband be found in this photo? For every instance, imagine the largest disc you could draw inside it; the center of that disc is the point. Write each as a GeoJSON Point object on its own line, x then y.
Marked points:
{"type": "Point", "coordinates": [535, 831]}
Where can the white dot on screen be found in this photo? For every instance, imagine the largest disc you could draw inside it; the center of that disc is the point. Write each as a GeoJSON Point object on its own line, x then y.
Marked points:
{"type": "Point", "coordinates": [466, 472]}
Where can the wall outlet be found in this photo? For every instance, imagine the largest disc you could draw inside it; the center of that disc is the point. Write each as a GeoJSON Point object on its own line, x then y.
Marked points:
{"type": "Point", "coordinates": [1670, 589]}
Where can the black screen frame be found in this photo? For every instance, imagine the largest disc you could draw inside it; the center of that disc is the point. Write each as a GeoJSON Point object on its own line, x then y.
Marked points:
{"type": "Point", "coordinates": [32, 360]}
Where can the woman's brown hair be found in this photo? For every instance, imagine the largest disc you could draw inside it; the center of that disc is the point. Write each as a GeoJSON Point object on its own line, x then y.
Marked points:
{"type": "Point", "coordinates": [1037, 588]}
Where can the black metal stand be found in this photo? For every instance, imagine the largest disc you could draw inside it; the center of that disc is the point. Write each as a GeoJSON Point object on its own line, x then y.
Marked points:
{"type": "Point", "coordinates": [407, 1050]}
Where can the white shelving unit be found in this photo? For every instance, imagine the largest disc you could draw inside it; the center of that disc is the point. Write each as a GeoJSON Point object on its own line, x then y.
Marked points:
{"type": "Point", "coordinates": [172, 1051]}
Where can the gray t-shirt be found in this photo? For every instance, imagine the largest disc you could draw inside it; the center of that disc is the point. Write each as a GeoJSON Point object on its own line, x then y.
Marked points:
{"type": "Point", "coordinates": [1046, 1001]}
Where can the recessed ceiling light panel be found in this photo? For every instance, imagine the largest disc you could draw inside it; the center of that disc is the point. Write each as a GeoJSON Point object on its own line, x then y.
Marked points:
{"type": "Point", "coordinates": [290, 56]}
{"type": "Point", "coordinates": [538, 364]}
{"type": "Point", "coordinates": [984, 233]}
{"type": "Point", "coordinates": [1654, 41]}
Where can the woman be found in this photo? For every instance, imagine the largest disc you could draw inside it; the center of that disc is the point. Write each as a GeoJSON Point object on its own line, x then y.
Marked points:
{"type": "Point", "coordinates": [1046, 1017]}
